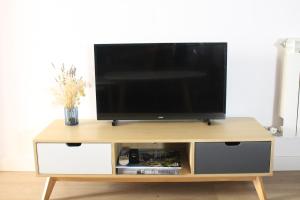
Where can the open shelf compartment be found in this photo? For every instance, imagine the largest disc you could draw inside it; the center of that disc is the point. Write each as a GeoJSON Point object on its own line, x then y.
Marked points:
{"type": "Point", "coordinates": [184, 150]}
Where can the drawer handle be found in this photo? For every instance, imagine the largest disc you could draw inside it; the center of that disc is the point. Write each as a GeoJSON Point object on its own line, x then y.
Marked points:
{"type": "Point", "coordinates": [232, 143]}
{"type": "Point", "coordinates": [73, 144]}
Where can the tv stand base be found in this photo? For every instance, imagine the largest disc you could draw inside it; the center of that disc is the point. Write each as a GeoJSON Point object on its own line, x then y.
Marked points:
{"type": "Point", "coordinates": [93, 148]}
{"type": "Point", "coordinates": [256, 180]}
{"type": "Point", "coordinates": [208, 121]}
{"type": "Point", "coordinates": [114, 123]}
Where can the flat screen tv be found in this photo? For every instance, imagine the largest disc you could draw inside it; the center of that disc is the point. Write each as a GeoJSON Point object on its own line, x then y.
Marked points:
{"type": "Point", "coordinates": [149, 81]}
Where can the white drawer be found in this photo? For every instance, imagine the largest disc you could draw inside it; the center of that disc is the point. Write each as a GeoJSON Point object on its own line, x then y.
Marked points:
{"type": "Point", "coordinates": [83, 158]}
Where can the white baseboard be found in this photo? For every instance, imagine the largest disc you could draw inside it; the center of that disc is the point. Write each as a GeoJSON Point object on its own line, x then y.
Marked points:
{"type": "Point", "coordinates": [287, 153]}
{"type": "Point", "coordinates": [286, 163]}
{"type": "Point", "coordinates": [18, 163]}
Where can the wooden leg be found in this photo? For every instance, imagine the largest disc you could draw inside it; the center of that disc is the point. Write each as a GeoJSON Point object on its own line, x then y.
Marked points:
{"type": "Point", "coordinates": [50, 182]}
{"type": "Point", "coordinates": [259, 186]}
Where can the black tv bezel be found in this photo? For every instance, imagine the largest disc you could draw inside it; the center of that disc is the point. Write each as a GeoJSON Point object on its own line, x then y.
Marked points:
{"type": "Point", "coordinates": [164, 116]}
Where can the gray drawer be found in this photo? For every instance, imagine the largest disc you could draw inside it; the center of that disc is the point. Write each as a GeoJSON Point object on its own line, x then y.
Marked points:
{"type": "Point", "coordinates": [232, 157]}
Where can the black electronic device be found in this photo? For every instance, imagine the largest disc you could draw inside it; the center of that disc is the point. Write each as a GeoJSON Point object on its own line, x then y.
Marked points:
{"type": "Point", "coordinates": [160, 81]}
{"type": "Point", "coordinates": [134, 156]}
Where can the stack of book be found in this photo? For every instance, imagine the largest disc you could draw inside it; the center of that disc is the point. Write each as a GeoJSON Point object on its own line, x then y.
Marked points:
{"type": "Point", "coordinates": [151, 161]}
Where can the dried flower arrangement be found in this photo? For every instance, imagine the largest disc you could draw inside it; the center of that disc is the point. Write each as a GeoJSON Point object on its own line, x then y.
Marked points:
{"type": "Point", "coordinates": [70, 87]}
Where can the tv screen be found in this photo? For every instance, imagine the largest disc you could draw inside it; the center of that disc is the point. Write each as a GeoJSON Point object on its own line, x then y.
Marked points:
{"type": "Point", "coordinates": [160, 81]}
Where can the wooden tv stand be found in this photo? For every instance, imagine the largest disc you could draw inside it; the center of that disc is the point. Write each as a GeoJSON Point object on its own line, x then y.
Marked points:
{"type": "Point", "coordinates": [235, 149]}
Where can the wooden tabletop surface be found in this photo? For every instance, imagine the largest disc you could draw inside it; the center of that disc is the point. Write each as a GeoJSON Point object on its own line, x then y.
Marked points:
{"type": "Point", "coordinates": [230, 129]}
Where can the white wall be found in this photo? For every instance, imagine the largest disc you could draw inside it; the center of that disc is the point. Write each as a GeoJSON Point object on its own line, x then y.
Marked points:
{"type": "Point", "coordinates": [34, 33]}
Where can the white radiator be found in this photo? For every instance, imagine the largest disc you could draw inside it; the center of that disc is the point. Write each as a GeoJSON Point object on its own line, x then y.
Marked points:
{"type": "Point", "coordinates": [290, 81]}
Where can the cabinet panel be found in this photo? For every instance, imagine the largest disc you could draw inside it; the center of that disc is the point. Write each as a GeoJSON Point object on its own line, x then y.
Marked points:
{"type": "Point", "coordinates": [232, 157]}
{"type": "Point", "coordinates": [74, 158]}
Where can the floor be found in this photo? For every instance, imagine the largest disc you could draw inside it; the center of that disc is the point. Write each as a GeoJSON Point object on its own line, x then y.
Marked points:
{"type": "Point", "coordinates": [24, 185]}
